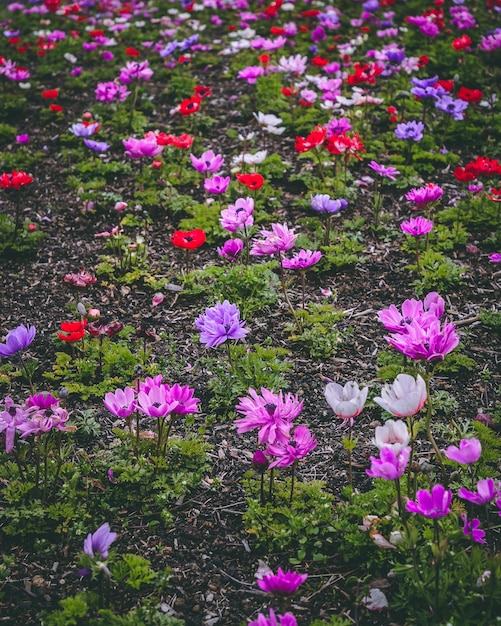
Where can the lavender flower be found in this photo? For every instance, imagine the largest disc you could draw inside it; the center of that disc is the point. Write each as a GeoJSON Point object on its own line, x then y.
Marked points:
{"type": "Point", "coordinates": [410, 130]}
{"type": "Point", "coordinates": [17, 339]}
{"type": "Point", "coordinates": [453, 107]}
{"type": "Point", "coordinates": [135, 71]}
{"type": "Point", "coordinates": [469, 451]}
{"type": "Point", "coordinates": [97, 146]}
{"type": "Point", "coordinates": [217, 184]}
{"type": "Point", "coordinates": [323, 203]}
{"type": "Point", "coordinates": [84, 130]}
{"type": "Point", "coordinates": [220, 323]}
{"type": "Point", "coordinates": [384, 171]}
{"type": "Point", "coordinates": [99, 542]}
{"type": "Point", "coordinates": [239, 215]}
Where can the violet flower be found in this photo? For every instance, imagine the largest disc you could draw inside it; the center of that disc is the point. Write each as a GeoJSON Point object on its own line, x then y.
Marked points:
{"type": "Point", "coordinates": [384, 171]}
{"type": "Point", "coordinates": [207, 162]}
{"type": "Point", "coordinates": [279, 239]}
{"type": "Point", "coordinates": [412, 130]}
{"type": "Point", "coordinates": [297, 447]}
{"type": "Point", "coordinates": [111, 92]}
{"type": "Point", "coordinates": [220, 323]}
{"type": "Point", "coordinates": [97, 146]}
{"type": "Point", "coordinates": [391, 465]}
{"type": "Point", "coordinates": [139, 148]}
{"type": "Point", "coordinates": [238, 216]}
{"type": "Point", "coordinates": [183, 395]}
{"type": "Point", "coordinates": [323, 203]}
{"type": "Point", "coordinates": [17, 339]}
{"type": "Point", "coordinates": [417, 226]}
{"type": "Point", "coordinates": [487, 490]}
{"type": "Point", "coordinates": [433, 504]}
{"type": "Point", "coordinates": [217, 184]}
{"type": "Point", "coordinates": [469, 451]}
{"type": "Point", "coordinates": [472, 529]}
{"type": "Point", "coordinates": [98, 543]}
{"type": "Point", "coordinates": [282, 583]}
{"type": "Point", "coordinates": [302, 260]}
{"type": "Point", "coordinates": [231, 249]}
{"type": "Point", "coordinates": [84, 130]}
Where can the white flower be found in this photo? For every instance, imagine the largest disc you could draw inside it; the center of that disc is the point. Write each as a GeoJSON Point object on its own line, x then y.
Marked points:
{"type": "Point", "coordinates": [393, 434]}
{"type": "Point", "coordinates": [375, 601]}
{"type": "Point", "coordinates": [348, 401]}
{"type": "Point", "coordinates": [405, 397]}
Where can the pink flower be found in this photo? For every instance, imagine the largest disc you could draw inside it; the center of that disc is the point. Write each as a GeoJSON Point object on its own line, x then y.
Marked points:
{"type": "Point", "coordinates": [427, 342]}
{"type": "Point", "coordinates": [391, 465]}
{"type": "Point", "coordinates": [495, 257]}
{"type": "Point", "coordinates": [302, 260]}
{"type": "Point", "coordinates": [156, 402]}
{"type": "Point", "coordinates": [433, 504]}
{"type": "Point", "coordinates": [417, 226]}
{"type": "Point", "coordinates": [251, 73]}
{"type": "Point", "coordinates": [282, 583]}
{"type": "Point", "coordinates": [469, 451]}
{"type": "Point", "coordinates": [472, 529]}
{"type": "Point", "coordinates": [139, 148]}
{"type": "Point", "coordinates": [347, 402]}
{"type": "Point", "coordinates": [231, 249]}
{"type": "Point", "coordinates": [297, 447]}
{"type": "Point", "coordinates": [487, 490]}
{"type": "Point", "coordinates": [384, 171]}
{"type": "Point", "coordinates": [285, 620]}
{"type": "Point", "coordinates": [183, 395]}
{"type": "Point", "coordinates": [135, 71]}
{"type": "Point", "coordinates": [405, 397]}
{"type": "Point", "coordinates": [207, 162]}
{"type": "Point", "coordinates": [278, 239]}
{"type": "Point", "coordinates": [425, 195]}
{"type": "Point", "coordinates": [217, 184]}
{"type": "Point", "coordinates": [122, 403]}
{"type": "Point", "coordinates": [237, 216]}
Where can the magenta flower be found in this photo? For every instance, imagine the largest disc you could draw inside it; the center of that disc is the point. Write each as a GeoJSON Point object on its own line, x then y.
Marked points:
{"type": "Point", "coordinates": [122, 403]}
{"type": "Point", "coordinates": [284, 620]}
{"type": "Point", "coordinates": [282, 583]}
{"type": "Point", "coordinates": [278, 239]}
{"type": "Point", "coordinates": [135, 71]}
{"type": "Point", "coordinates": [405, 397]}
{"type": "Point", "coordinates": [427, 342]}
{"type": "Point", "coordinates": [495, 257]}
{"type": "Point", "coordinates": [139, 148]}
{"type": "Point", "coordinates": [417, 226]}
{"type": "Point", "coordinates": [231, 249]}
{"type": "Point", "coordinates": [297, 447]}
{"type": "Point", "coordinates": [17, 340]}
{"type": "Point", "coordinates": [302, 260]}
{"type": "Point", "coordinates": [111, 92]}
{"type": "Point", "coordinates": [472, 529]}
{"type": "Point", "coordinates": [238, 216]}
{"type": "Point", "coordinates": [217, 184]}
{"type": "Point", "coordinates": [183, 395]}
{"type": "Point", "coordinates": [156, 402]}
{"type": "Point", "coordinates": [433, 504]}
{"type": "Point", "coordinates": [98, 543]}
{"type": "Point", "coordinates": [270, 412]}
{"type": "Point", "coordinates": [487, 490]}
{"type": "Point", "coordinates": [42, 401]}
{"type": "Point", "coordinates": [469, 451]}
{"type": "Point", "coordinates": [384, 171]}
{"type": "Point", "coordinates": [425, 195]}
{"type": "Point", "coordinates": [220, 323]}
{"type": "Point", "coordinates": [251, 73]}
{"type": "Point", "coordinates": [207, 162]}
{"type": "Point", "coordinates": [347, 402]}
{"type": "Point", "coordinates": [397, 322]}
{"type": "Point", "coordinates": [391, 465]}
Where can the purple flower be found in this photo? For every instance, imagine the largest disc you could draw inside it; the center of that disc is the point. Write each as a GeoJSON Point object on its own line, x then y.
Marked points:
{"type": "Point", "coordinates": [272, 413]}
{"type": "Point", "coordinates": [323, 203]}
{"type": "Point", "coordinates": [396, 322]}
{"type": "Point", "coordinates": [17, 339]}
{"type": "Point", "coordinates": [472, 529]}
{"type": "Point", "coordinates": [495, 257]}
{"type": "Point", "coordinates": [469, 451]}
{"type": "Point", "coordinates": [10, 420]}
{"type": "Point", "coordinates": [302, 260]}
{"type": "Point", "coordinates": [231, 249]}
{"type": "Point", "coordinates": [382, 170]}
{"type": "Point", "coordinates": [278, 239]}
{"type": "Point", "coordinates": [122, 403]}
{"type": "Point", "coordinates": [157, 401]}
{"type": "Point", "coordinates": [217, 184]}
{"type": "Point", "coordinates": [487, 490]}
{"type": "Point", "coordinates": [251, 73]}
{"type": "Point", "coordinates": [426, 342]}
{"type": "Point", "coordinates": [99, 542]}
{"type": "Point", "coordinates": [220, 323]}
{"type": "Point", "coordinates": [391, 465]}
{"type": "Point", "coordinates": [84, 130]}
{"type": "Point", "coordinates": [239, 215]}
{"type": "Point", "coordinates": [23, 138]}
{"type": "Point", "coordinates": [135, 71]}
{"type": "Point", "coordinates": [297, 447]}
{"type": "Point", "coordinates": [453, 107]}
{"type": "Point", "coordinates": [285, 620]}
{"type": "Point", "coordinates": [282, 583]}
{"type": "Point", "coordinates": [425, 195]}
{"type": "Point", "coordinates": [42, 401]}
{"type": "Point", "coordinates": [417, 226]}
{"type": "Point", "coordinates": [410, 130]}
{"type": "Point", "coordinates": [183, 395]}
{"type": "Point", "coordinates": [139, 148]}
{"type": "Point", "coordinates": [433, 504]}
{"type": "Point", "coordinates": [208, 162]}
{"type": "Point", "coordinates": [97, 146]}
{"type": "Point", "coordinates": [110, 92]}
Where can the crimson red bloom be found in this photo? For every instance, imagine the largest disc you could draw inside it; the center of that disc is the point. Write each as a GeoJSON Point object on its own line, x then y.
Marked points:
{"type": "Point", "coordinates": [15, 180]}
{"type": "Point", "coordinates": [132, 52]}
{"type": "Point", "coordinates": [72, 331]}
{"type": "Point", "coordinates": [190, 106]}
{"type": "Point", "coordinates": [461, 42]}
{"type": "Point", "coordinates": [448, 85]}
{"type": "Point", "coordinates": [252, 181]}
{"type": "Point", "coordinates": [470, 95]}
{"type": "Point", "coordinates": [188, 240]}
{"type": "Point", "coordinates": [319, 61]}
{"type": "Point", "coordinates": [202, 92]}
{"type": "Point", "coordinates": [50, 94]}
{"type": "Point", "coordinates": [315, 138]}
{"type": "Point", "coordinates": [57, 108]}
{"type": "Point", "coordinates": [366, 73]}
{"type": "Point", "coordinates": [463, 175]}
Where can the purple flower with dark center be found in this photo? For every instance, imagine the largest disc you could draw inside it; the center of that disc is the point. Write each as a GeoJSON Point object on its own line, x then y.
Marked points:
{"type": "Point", "coordinates": [417, 226]}
{"type": "Point", "coordinates": [11, 419]}
{"type": "Point", "coordinates": [97, 146]}
{"type": "Point", "coordinates": [121, 403]}
{"type": "Point", "coordinates": [220, 323]}
{"type": "Point", "coordinates": [323, 203]}
{"type": "Point", "coordinates": [384, 171]}
{"type": "Point", "coordinates": [487, 490]}
{"type": "Point", "coordinates": [297, 447]}
{"type": "Point", "coordinates": [472, 529]}
{"type": "Point", "coordinates": [217, 184]}
{"type": "Point", "coordinates": [279, 239]}
{"type": "Point", "coordinates": [208, 162]}
{"type": "Point", "coordinates": [239, 215]}
{"type": "Point", "coordinates": [157, 401]}
{"type": "Point", "coordinates": [469, 451]}
{"type": "Point", "coordinates": [410, 130]}
{"type": "Point", "coordinates": [302, 260]}
{"type": "Point", "coordinates": [231, 249]}
{"type": "Point", "coordinates": [422, 196]}
{"type": "Point", "coordinates": [17, 339]}
{"type": "Point", "coordinates": [425, 339]}
{"type": "Point", "coordinates": [453, 107]}
{"type": "Point", "coordinates": [282, 583]}
{"type": "Point", "coordinates": [98, 543]}
{"type": "Point", "coordinates": [433, 504]}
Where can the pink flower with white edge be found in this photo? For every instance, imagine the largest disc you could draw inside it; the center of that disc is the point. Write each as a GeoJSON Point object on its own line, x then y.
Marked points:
{"type": "Point", "coordinates": [469, 451]}
{"type": "Point", "coordinates": [347, 402]}
{"type": "Point", "coordinates": [405, 397]}
{"type": "Point", "coordinates": [393, 434]}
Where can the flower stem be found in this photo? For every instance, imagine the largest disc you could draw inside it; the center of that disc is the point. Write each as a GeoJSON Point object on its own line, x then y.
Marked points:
{"type": "Point", "coordinates": [431, 439]}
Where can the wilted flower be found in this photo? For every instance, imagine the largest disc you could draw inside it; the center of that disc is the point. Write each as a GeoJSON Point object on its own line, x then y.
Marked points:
{"type": "Point", "coordinates": [79, 280]}
{"type": "Point", "coordinates": [220, 323]}
{"type": "Point", "coordinates": [17, 339]}
{"type": "Point", "coordinates": [405, 397]}
{"type": "Point", "coordinates": [347, 402]}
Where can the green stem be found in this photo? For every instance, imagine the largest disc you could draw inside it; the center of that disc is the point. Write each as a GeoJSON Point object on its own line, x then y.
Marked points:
{"type": "Point", "coordinates": [431, 439]}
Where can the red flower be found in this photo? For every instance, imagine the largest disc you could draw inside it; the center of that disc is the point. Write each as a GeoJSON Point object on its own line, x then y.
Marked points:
{"type": "Point", "coordinates": [319, 61]}
{"type": "Point", "coordinates": [72, 331]}
{"type": "Point", "coordinates": [188, 240]}
{"type": "Point", "coordinates": [50, 94]}
{"type": "Point", "coordinates": [470, 95]}
{"type": "Point", "coordinates": [448, 85]}
{"type": "Point", "coordinates": [57, 108]}
{"type": "Point", "coordinates": [495, 195]}
{"type": "Point", "coordinates": [264, 59]}
{"type": "Point", "coordinates": [202, 92]}
{"type": "Point", "coordinates": [423, 60]}
{"type": "Point", "coordinates": [190, 106]}
{"type": "Point", "coordinates": [461, 42]}
{"type": "Point", "coordinates": [315, 138]}
{"type": "Point", "coordinates": [132, 52]}
{"type": "Point", "coordinates": [366, 73]}
{"type": "Point", "coordinates": [252, 181]}
{"type": "Point", "coordinates": [15, 180]}
{"type": "Point", "coordinates": [463, 175]}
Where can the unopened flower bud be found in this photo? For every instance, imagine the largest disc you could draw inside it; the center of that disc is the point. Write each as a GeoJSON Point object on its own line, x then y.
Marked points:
{"type": "Point", "coordinates": [63, 393]}
{"type": "Point", "coordinates": [260, 461]}
{"type": "Point", "coordinates": [81, 308]}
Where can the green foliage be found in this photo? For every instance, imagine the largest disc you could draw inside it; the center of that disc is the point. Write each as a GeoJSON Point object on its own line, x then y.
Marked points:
{"type": "Point", "coordinates": [302, 527]}
{"type": "Point", "coordinates": [22, 242]}
{"type": "Point", "coordinates": [269, 97]}
{"type": "Point", "coordinates": [132, 569]}
{"type": "Point", "coordinates": [344, 252]}
{"type": "Point", "coordinates": [7, 133]}
{"type": "Point", "coordinates": [333, 621]}
{"type": "Point", "coordinates": [438, 273]}
{"type": "Point", "coordinates": [491, 319]}
{"type": "Point", "coordinates": [391, 365]}
{"type": "Point", "coordinates": [319, 337]}
{"type": "Point", "coordinates": [205, 217]}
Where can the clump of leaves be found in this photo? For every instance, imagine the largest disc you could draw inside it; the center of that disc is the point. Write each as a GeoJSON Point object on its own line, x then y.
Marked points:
{"type": "Point", "coordinates": [319, 335]}
{"type": "Point", "coordinates": [23, 241]}
{"type": "Point", "coordinates": [438, 273]}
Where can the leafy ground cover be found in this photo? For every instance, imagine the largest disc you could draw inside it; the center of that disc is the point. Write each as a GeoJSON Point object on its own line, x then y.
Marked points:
{"type": "Point", "coordinates": [250, 283]}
